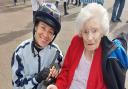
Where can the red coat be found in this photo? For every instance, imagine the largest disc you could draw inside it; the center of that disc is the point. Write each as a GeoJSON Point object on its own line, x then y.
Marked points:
{"type": "Point", "coordinates": [72, 59]}
{"type": "Point", "coordinates": [70, 63]}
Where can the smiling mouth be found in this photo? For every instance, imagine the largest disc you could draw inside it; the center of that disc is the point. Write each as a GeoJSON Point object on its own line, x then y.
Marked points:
{"type": "Point", "coordinates": [44, 40]}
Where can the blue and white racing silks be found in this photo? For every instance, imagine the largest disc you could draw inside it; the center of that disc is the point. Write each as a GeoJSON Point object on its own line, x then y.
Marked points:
{"type": "Point", "coordinates": [120, 54]}
{"type": "Point", "coordinates": [25, 64]}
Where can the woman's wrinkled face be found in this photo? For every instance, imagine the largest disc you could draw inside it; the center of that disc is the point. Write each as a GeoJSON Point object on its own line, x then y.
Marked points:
{"type": "Point", "coordinates": [44, 34]}
{"type": "Point", "coordinates": [91, 34]}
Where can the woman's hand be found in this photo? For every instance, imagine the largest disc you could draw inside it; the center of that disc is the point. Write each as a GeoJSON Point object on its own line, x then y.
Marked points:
{"type": "Point", "coordinates": [53, 72]}
{"type": "Point", "coordinates": [52, 87]}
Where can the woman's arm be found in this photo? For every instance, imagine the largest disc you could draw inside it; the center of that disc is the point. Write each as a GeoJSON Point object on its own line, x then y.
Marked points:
{"type": "Point", "coordinates": [18, 76]}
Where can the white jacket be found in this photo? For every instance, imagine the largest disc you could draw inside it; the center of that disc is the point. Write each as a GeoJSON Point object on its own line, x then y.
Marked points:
{"type": "Point", "coordinates": [26, 61]}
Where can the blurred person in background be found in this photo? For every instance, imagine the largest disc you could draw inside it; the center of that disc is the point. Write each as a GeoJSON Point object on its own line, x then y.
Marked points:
{"type": "Point", "coordinates": [64, 5]}
{"type": "Point", "coordinates": [117, 10]}
{"type": "Point", "coordinates": [35, 5]}
{"type": "Point", "coordinates": [15, 1]}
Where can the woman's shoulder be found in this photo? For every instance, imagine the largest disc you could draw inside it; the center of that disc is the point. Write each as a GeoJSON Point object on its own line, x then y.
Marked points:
{"type": "Point", "coordinates": [76, 38]}
{"type": "Point", "coordinates": [23, 44]}
{"type": "Point", "coordinates": [114, 43]}
{"type": "Point", "coordinates": [121, 53]}
{"type": "Point", "coordinates": [122, 39]}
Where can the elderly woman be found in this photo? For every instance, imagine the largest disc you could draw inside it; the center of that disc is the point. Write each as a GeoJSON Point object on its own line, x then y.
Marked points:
{"type": "Point", "coordinates": [92, 60]}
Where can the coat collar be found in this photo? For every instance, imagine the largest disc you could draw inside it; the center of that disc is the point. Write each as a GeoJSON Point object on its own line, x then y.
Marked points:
{"type": "Point", "coordinates": [107, 45]}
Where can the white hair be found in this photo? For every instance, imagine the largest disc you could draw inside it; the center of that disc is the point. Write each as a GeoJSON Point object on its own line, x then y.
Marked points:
{"type": "Point", "coordinates": [93, 11]}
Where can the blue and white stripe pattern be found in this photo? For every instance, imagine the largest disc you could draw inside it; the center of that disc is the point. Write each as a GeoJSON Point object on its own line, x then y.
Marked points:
{"type": "Point", "coordinates": [25, 64]}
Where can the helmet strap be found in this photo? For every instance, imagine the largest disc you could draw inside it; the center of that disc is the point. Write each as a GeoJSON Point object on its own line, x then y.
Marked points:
{"type": "Point", "coordinates": [53, 39]}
